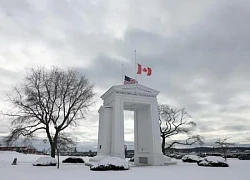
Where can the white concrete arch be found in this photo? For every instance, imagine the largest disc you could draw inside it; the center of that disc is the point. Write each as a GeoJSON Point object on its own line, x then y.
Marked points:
{"type": "Point", "coordinates": [143, 101]}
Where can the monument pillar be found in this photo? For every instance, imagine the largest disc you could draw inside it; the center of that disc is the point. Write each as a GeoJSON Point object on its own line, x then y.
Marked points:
{"type": "Point", "coordinates": [104, 133]}
{"type": "Point", "coordinates": [117, 143]}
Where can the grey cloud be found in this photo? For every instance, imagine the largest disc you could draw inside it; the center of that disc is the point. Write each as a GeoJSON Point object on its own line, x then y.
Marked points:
{"type": "Point", "coordinates": [7, 73]}
{"type": "Point", "coordinates": [198, 52]}
{"type": "Point", "coordinates": [235, 128]}
{"type": "Point", "coordinates": [105, 71]}
{"type": "Point", "coordinates": [176, 62]}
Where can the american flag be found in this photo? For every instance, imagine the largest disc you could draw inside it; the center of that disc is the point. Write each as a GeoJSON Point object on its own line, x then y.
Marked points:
{"type": "Point", "coordinates": [129, 80]}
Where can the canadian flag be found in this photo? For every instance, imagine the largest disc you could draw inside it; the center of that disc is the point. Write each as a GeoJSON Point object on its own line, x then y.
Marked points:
{"type": "Point", "coordinates": [141, 70]}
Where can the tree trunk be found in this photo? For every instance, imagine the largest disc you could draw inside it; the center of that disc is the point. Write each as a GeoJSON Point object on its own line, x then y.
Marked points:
{"type": "Point", "coordinates": [224, 152]}
{"type": "Point", "coordinates": [53, 150]}
{"type": "Point", "coordinates": [163, 142]}
{"type": "Point", "coordinates": [52, 143]}
{"type": "Point", "coordinates": [57, 158]}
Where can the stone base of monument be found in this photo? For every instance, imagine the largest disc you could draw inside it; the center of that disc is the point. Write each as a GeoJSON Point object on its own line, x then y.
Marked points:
{"type": "Point", "coordinates": [167, 161]}
{"type": "Point", "coordinates": [148, 159]}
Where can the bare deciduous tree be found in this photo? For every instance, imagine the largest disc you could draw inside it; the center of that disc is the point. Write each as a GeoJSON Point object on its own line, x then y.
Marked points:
{"type": "Point", "coordinates": [49, 101]}
{"type": "Point", "coordinates": [173, 122]}
{"type": "Point", "coordinates": [223, 144]}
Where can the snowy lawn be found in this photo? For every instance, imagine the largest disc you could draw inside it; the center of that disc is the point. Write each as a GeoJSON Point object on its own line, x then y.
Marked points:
{"type": "Point", "coordinates": [238, 170]}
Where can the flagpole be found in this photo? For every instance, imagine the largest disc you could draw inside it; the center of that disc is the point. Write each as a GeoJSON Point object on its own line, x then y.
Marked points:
{"type": "Point", "coordinates": [122, 74]}
{"type": "Point", "coordinates": [135, 79]}
{"type": "Point", "coordinates": [135, 67]}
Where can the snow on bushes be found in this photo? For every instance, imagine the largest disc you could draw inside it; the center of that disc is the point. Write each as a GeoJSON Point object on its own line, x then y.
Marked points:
{"type": "Point", "coordinates": [110, 163]}
{"type": "Point", "coordinates": [45, 161]}
{"type": "Point", "coordinates": [168, 161]}
{"type": "Point", "coordinates": [213, 161]}
{"type": "Point", "coordinates": [73, 160]}
{"type": "Point", "coordinates": [191, 158]}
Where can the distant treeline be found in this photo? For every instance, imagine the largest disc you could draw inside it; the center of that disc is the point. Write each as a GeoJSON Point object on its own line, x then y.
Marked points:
{"type": "Point", "coordinates": [207, 149]}
{"type": "Point", "coordinates": [130, 153]}
{"type": "Point", "coordinates": [201, 150]}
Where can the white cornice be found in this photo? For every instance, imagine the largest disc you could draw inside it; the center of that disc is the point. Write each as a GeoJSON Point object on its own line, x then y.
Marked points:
{"type": "Point", "coordinates": [132, 89]}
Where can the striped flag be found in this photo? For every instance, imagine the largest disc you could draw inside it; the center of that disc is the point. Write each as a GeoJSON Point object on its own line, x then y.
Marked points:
{"type": "Point", "coordinates": [129, 80]}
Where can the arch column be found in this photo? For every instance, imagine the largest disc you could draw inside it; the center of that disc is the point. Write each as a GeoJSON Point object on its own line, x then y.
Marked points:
{"type": "Point", "coordinates": [117, 143]}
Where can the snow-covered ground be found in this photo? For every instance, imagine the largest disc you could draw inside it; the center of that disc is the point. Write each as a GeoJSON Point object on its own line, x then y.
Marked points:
{"type": "Point", "coordinates": [238, 170]}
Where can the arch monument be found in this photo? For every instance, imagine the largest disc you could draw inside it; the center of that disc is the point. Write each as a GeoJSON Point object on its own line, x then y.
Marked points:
{"type": "Point", "coordinates": [147, 142]}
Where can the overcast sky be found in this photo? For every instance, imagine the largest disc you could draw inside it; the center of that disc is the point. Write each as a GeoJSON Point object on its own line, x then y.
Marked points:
{"type": "Point", "coordinates": [198, 50]}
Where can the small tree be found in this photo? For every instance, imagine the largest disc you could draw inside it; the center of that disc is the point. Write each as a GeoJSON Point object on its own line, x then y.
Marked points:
{"type": "Point", "coordinates": [49, 101]}
{"type": "Point", "coordinates": [223, 144]}
{"type": "Point", "coordinates": [173, 122]}
{"type": "Point", "coordinates": [63, 144]}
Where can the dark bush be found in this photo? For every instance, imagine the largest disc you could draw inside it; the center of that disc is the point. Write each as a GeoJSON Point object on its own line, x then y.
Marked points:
{"type": "Point", "coordinates": [177, 156]}
{"type": "Point", "coordinates": [73, 160]}
{"type": "Point", "coordinates": [191, 158]}
{"type": "Point", "coordinates": [244, 157]}
{"type": "Point", "coordinates": [212, 162]}
{"type": "Point", "coordinates": [45, 161]}
{"type": "Point", "coordinates": [107, 168]}
{"type": "Point", "coordinates": [202, 155]}
{"type": "Point", "coordinates": [110, 163]}
{"type": "Point", "coordinates": [235, 155]}
{"type": "Point", "coordinates": [131, 159]}
{"type": "Point", "coordinates": [49, 164]}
